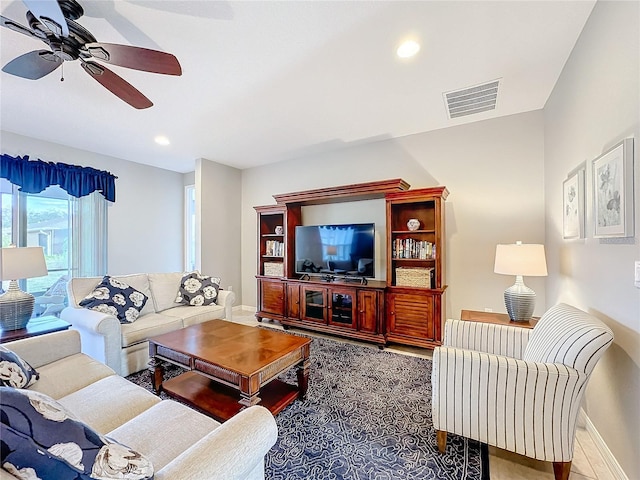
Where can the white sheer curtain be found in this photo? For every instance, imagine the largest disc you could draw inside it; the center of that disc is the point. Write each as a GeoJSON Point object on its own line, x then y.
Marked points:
{"type": "Point", "coordinates": [88, 235]}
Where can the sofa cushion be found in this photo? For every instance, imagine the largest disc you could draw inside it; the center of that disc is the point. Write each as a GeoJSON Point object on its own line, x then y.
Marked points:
{"type": "Point", "coordinates": [149, 431]}
{"type": "Point", "coordinates": [194, 315]}
{"type": "Point", "coordinates": [14, 371]}
{"type": "Point", "coordinates": [39, 433]}
{"type": "Point", "coordinates": [148, 326]}
{"type": "Point", "coordinates": [196, 289]}
{"type": "Point", "coordinates": [117, 298]}
{"type": "Point", "coordinates": [78, 288]}
{"type": "Point", "coordinates": [164, 289]}
{"type": "Point", "coordinates": [60, 378]}
{"type": "Point", "coordinates": [109, 402]}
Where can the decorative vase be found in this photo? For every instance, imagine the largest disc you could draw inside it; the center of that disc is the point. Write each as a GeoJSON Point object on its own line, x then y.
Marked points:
{"type": "Point", "coordinates": [279, 230]}
{"type": "Point", "coordinates": [413, 224]}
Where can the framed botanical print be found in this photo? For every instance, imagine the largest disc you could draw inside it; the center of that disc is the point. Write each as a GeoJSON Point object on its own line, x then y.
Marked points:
{"type": "Point", "coordinates": [613, 192]}
{"type": "Point", "coordinates": [573, 205]}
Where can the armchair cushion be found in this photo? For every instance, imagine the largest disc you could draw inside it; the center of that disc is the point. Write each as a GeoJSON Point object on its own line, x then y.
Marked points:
{"type": "Point", "coordinates": [41, 434]}
{"type": "Point", "coordinates": [14, 371]}
{"type": "Point", "coordinates": [196, 289]}
{"type": "Point", "coordinates": [117, 298]}
{"type": "Point", "coordinates": [570, 336]}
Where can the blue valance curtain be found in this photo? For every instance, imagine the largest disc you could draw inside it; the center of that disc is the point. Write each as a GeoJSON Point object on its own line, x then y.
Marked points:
{"type": "Point", "coordinates": [33, 176]}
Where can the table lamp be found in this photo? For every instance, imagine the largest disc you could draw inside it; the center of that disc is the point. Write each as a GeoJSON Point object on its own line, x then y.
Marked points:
{"type": "Point", "coordinates": [521, 260]}
{"type": "Point", "coordinates": [16, 306]}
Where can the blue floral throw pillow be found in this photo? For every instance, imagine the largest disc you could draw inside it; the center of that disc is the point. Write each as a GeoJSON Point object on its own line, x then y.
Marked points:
{"type": "Point", "coordinates": [41, 439]}
{"type": "Point", "coordinates": [116, 298]}
{"type": "Point", "coordinates": [14, 371]}
{"type": "Point", "coordinates": [196, 289]}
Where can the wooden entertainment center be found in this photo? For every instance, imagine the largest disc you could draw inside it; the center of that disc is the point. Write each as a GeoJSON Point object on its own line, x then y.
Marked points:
{"type": "Point", "coordinates": [406, 308]}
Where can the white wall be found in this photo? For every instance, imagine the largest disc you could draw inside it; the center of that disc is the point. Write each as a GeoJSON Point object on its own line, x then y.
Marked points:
{"type": "Point", "coordinates": [594, 105]}
{"type": "Point", "coordinates": [493, 169]}
{"type": "Point", "coordinates": [145, 222]}
{"type": "Point", "coordinates": [218, 200]}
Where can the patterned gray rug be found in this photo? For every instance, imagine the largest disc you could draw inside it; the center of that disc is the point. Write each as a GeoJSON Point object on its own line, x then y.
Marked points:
{"type": "Point", "coordinates": [367, 416]}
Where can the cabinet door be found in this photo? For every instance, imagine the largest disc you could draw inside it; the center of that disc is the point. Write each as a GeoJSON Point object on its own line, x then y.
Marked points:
{"type": "Point", "coordinates": [368, 306]}
{"type": "Point", "coordinates": [314, 304]}
{"type": "Point", "coordinates": [271, 296]}
{"type": "Point", "coordinates": [411, 315]}
{"type": "Point", "coordinates": [342, 307]}
{"type": "Point", "coordinates": [293, 300]}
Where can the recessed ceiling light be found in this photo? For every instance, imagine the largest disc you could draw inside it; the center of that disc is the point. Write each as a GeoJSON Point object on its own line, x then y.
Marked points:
{"type": "Point", "coordinates": [408, 49]}
{"type": "Point", "coordinates": [162, 140]}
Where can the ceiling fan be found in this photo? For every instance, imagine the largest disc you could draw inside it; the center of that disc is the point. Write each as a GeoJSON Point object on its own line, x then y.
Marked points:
{"type": "Point", "coordinates": [54, 22]}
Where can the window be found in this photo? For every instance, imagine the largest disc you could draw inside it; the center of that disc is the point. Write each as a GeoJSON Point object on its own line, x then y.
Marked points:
{"type": "Point", "coordinates": [32, 220]}
{"type": "Point", "coordinates": [72, 232]}
{"type": "Point", "coordinates": [190, 228]}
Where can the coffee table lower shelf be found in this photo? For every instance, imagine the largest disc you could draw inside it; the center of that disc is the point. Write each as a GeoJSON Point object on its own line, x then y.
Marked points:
{"type": "Point", "coordinates": [220, 401]}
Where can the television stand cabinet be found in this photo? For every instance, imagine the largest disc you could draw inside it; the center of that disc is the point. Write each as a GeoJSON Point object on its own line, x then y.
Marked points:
{"type": "Point", "coordinates": [336, 307]}
{"type": "Point", "coordinates": [407, 308]}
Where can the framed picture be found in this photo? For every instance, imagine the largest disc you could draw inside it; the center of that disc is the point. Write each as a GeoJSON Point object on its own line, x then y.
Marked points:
{"type": "Point", "coordinates": [573, 205]}
{"type": "Point", "coordinates": [613, 192]}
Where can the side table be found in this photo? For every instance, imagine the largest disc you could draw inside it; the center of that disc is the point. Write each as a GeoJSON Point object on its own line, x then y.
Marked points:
{"type": "Point", "coordinates": [36, 326]}
{"type": "Point", "coordinates": [492, 317]}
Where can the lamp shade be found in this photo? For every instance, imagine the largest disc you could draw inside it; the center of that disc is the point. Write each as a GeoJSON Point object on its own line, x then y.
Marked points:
{"type": "Point", "coordinates": [523, 259]}
{"type": "Point", "coordinates": [22, 262]}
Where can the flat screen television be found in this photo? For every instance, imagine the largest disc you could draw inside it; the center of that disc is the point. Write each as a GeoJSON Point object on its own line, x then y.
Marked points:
{"type": "Point", "coordinates": [346, 249]}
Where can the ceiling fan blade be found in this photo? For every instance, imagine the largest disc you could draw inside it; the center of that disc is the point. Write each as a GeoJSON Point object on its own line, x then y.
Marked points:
{"type": "Point", "coordinates": [117, 85]}
{"type": "Point", "coordinates": [16, 27]}
{"type": "Point", "coordinates": [33, 65]}
{"type": "Point", "coordinates": [137, 58]}
{"type": "Point", "coordinates": [50, 15]}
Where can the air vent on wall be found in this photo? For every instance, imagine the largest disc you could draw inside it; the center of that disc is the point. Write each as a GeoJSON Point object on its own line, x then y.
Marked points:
{"type": "Point", "coordinates": [472, 100]}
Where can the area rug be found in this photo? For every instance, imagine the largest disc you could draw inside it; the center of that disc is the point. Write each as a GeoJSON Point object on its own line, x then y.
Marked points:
{"type": "Point", "coordinates": [367, 416]}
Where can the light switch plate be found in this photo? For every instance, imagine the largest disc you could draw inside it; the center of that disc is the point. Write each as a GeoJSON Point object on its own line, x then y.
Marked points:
{"type": "Point", "coordinates": [637, 274]}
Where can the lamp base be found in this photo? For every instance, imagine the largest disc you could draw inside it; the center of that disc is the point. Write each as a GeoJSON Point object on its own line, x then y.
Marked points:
{"type": "Point", "coordinates": [16, 307]}
{"type": "Point", "coordinates": [520, 301]}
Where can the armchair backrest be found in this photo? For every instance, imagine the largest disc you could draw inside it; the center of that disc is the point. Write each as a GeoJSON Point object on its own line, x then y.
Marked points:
{"type": "Point", "coordinates": [569, 336]}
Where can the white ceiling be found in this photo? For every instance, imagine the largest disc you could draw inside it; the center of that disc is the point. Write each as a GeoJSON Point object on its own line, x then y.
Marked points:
{"type": "Point", "coordinates": [268, 81]}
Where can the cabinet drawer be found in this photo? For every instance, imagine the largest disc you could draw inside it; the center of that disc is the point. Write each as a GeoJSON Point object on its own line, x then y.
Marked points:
{"type": "Point", "coordinates": [411, 315]}
{"type": "Point", "coordinates": [272, 297]}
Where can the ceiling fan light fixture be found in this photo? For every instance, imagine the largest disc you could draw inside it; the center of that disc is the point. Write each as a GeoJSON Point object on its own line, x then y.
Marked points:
{"type": "Point", "coordinates": [162, 140]}
{"type": "Point", "coordinates": [408, 49]}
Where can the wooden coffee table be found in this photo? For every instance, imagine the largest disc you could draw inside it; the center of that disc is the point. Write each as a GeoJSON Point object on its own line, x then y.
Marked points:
{"type": "Point", "coordinates": [230, 367]}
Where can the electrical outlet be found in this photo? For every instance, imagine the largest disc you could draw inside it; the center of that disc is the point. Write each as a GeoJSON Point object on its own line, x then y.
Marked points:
{"type": "Point", "coordinates": [230, 288]}
{"type": "Point", "coordinates": [488, 310]}
{"type": "Point", "coordinates": [637, 274]}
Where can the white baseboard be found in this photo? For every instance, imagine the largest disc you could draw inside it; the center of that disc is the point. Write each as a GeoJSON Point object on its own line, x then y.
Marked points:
{"type": "Point", "coordinates": [603, 449]}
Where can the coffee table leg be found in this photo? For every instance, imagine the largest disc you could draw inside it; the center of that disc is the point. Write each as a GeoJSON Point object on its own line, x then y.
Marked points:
{"type": "Point", "coordinates": [247, 400]}
{"type": "Point", "coordinates": [157, 374]}
{"type": "Point", "coordinates": [303, 378]}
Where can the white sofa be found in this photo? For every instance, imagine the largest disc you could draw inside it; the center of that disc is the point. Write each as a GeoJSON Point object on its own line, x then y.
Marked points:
{"type": "Point", "coordinates": [181, 444]}
{"type": "Point", "coordinates": [124, 347]}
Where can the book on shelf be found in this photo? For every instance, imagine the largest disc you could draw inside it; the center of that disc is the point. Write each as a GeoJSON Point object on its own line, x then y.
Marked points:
{"type": "Point", "coordinates": [274, 248]}
{"type": "Point", "coordinates": [413, 249]}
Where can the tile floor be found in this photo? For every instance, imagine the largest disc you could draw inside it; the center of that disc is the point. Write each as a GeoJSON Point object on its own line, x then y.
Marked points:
{"type": "Point", "coordinates": [587, 464]}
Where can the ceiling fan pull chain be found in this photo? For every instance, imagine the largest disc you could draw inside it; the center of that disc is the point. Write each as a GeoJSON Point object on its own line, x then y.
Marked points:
{"type": "Point", "coordinates": [62, 72]}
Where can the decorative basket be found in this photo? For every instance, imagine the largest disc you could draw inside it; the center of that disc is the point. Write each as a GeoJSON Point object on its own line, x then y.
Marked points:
{"type": "Point", "coordinates": [274, 269]}
{"type": "Point", "coordinates": [414, 277]}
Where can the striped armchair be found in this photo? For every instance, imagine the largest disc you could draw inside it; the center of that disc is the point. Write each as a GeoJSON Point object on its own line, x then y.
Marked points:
{"type": "Point", "coordinates": [515, 388]}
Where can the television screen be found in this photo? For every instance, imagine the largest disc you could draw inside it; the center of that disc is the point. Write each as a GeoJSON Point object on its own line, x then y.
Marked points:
{"type": "Point", "coordinates": [336, 249]}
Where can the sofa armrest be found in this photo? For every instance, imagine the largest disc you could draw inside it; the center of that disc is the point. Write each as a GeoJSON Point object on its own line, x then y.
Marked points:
{"type": "Point", "coordinates": [230, 452]}
{"type": "Point", "coordinates": [486, 337]}
{"type": "Point", "coordinates": [100, 333]}
{"type": "Point", "coordinates": [226, 298]}
{"type": "Point", "coordinates": [45, 349]}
